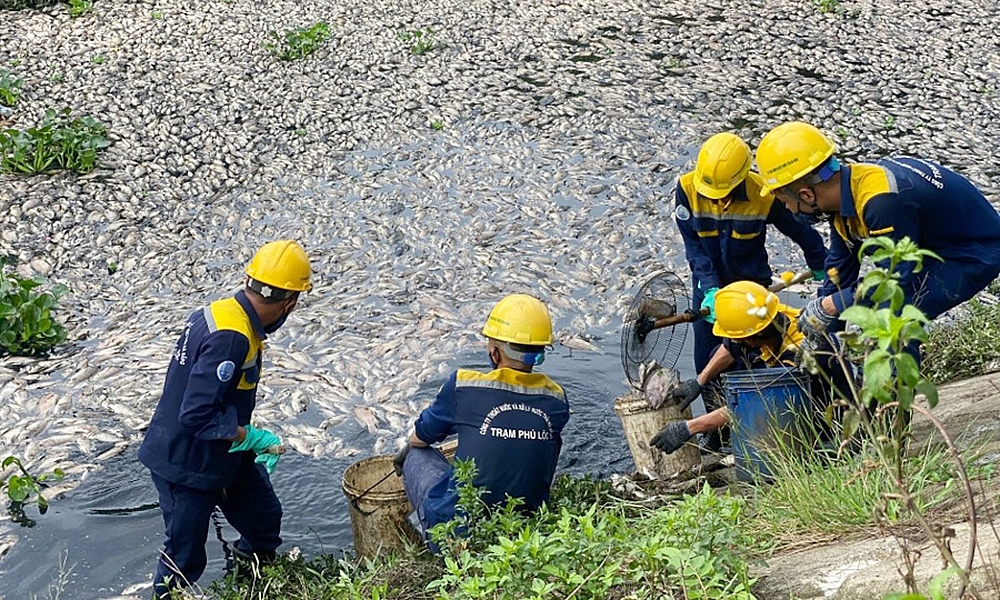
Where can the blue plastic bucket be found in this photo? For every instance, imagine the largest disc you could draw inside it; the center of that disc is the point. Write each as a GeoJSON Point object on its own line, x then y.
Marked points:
{"type": "Point", "coordinates": [764, 407]}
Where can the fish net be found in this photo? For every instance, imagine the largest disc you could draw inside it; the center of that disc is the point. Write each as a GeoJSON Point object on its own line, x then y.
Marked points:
{"type": "Point", "coordinates": [643, 347]}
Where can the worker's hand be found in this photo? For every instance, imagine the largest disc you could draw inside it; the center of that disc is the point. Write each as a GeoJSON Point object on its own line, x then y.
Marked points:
{"type": "Point", "coordinates": [258, 440]}
{"type": "Point", "coordinates": [685, 393]}
{"type": "Point", "coordinates": [709, 303]}
{"type": "Point", "coordinates": [266, 444]}
{"type": "Point", "coordinates": [814, 322]}
{"type": "Point", "coordinates": [269, 460]}
{"type": "Point", "coordinates": [671, 437]}
{"type": "Point", "coordinates": [399, 459]}
{"type": "Point", "coordinates": [819, 274]}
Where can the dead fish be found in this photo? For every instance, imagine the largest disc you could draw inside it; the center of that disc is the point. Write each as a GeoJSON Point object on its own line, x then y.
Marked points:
{"type": "Point", "coordinates": [367, 418]}
{"type": "Point", "coordinates": [656, 309]}
{"type": "Point", "coordinates": [575, 342]}
{"type": "Point", "coordinates": [657, 384]}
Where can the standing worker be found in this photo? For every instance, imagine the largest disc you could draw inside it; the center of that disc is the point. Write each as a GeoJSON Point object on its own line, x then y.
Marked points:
{"type": "Point", "coordinates": [758, 331]}
{"type": "Point", "coordinates": [722, 213]}
{"type": "Point", "coordinates": [200, 447]}
{"type": "Point", "coordinates": [509, 421]}
{"type": "Point", "coordinates": [935, 207]}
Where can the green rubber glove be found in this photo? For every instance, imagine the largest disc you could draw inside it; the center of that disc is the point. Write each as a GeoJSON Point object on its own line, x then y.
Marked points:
{"type": "Point", "coordinates": [268, 460]}
{"type": "Point", "coordinates": [709, 303]}
{"type": "Point", "coordinates": [819, 274]}
{"type": "Point", "coordinates": [258, 440]}
{"type": "Point", "coordinates": [264, 443]}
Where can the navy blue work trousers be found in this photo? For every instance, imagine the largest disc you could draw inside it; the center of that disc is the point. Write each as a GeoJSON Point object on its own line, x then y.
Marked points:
{"type": "Point", "coordinates": [422, 470]}
{"type": "Point", "coordinates": [249, 505]}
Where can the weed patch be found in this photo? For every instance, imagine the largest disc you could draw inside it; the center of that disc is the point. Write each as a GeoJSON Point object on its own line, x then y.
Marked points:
{"type": "Point", "coordinates": [10, 88]}
{"type": "Point", "coordinates": [59, 142]}
{"type": "Point", "coordinates": [298, 43]}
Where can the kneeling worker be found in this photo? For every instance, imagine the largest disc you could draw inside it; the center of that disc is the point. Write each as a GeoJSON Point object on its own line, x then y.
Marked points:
{"type": "Point", "coordinates": [758, 331]}
{"type": "Point", "coordinates": [509, 421]}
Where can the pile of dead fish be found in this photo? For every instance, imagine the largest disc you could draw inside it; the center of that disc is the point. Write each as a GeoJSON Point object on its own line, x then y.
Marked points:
{"type": "Point", "coordinates": [530, 150]}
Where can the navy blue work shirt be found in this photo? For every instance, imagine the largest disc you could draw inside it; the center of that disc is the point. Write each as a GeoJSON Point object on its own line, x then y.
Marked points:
{"type": "Point", "coordinates": [509, 422]}
{"type": "Point", "coordinates": [210, 389]}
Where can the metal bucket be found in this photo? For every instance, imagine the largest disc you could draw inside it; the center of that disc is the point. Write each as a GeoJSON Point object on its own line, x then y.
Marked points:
{"type": "Point", "coordinates": [765, 407]}
{"type": "Point", "coordinates": [641, 423]}
{"type": "Point", "coordinates": [378, 507]}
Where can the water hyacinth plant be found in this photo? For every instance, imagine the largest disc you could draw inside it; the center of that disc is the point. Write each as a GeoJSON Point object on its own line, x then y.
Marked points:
{"type": "Point", "coordinates": [25, 488]}
{"type": "Point", "coordinates": [59, 142]}
{"type": "Point", "coordinates": [421, 40]}
{"type": "Point", "coordinates": [27, 325]}
{"type": "Point", "coordinates": [10, 88]}
{"type": "Point", "coordinates": [298, 43]}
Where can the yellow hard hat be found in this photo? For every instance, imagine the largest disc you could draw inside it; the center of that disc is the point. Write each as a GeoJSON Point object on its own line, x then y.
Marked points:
{"type": "Point", "coordinates": [520, 319]}
{"type": "Point", "coordinates": [790, 151]}
{"type": "Point", "coordinates": [723, 164]}
{"type": "Point", "coordinates": [282, 265]}
{"type": "Point", "coordinates": [743, 309]}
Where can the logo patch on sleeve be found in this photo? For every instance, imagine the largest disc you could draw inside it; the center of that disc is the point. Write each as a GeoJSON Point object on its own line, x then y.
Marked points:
{"type": "Point", "coordinates": [225, 370]}
{"type": "Point", "coordinates": [682, 213]}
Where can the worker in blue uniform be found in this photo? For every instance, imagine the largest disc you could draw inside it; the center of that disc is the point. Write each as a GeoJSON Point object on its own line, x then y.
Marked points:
{"type": "Point", "coordinates": [935, 207]}
{"type": "Point", "coordinates": [723, 217]}
{"type": "Point", "coordinates": [200, 447]}
{"type": "Point", "coordinates": [509, 421]}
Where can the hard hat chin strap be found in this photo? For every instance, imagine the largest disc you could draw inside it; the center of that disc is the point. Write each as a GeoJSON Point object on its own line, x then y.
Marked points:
{"type": "Point", "coordinates": [528, 358]}
{"type": "Point", "coordinates": [267, 291]}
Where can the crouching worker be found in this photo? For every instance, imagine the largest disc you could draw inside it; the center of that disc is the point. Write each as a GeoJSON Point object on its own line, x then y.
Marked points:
{"type": "Point", "coordinates": [509, 421]}
{"type": "Point", "coordinates": [758, 331]}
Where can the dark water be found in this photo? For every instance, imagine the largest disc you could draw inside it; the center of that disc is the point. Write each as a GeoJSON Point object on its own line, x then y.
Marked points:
{"type": "Point", "coordinates": [108, 531]}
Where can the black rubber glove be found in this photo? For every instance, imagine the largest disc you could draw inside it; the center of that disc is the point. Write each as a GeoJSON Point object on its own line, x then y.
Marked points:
{"type": "Point", "coordinates": [685, 393]}
{"type": "Point", "coordinates": [671, 437]}
{"type": "Point", "coordinates": [400, 458]}
{"type": "Point", "coordinates": [814, 322]}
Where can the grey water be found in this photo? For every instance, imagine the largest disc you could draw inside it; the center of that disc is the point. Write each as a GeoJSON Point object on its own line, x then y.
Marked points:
{"type": "Point", "coordinates": [103, 537]}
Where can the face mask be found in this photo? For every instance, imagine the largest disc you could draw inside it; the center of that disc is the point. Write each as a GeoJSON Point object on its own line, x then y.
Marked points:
{"type": "Point", "coordinates": [277, 324]}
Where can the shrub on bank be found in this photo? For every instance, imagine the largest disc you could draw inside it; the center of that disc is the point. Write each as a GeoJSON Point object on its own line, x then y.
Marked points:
{"type": "Point", "coordinates": [586, 544]}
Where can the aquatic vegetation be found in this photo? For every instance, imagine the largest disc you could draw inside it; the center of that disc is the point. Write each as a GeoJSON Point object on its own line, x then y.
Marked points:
{"type": "Point", "coordinates": [27, 325]}
{"type": "Point", "coordinates": [59, 142]}
{"type": "Point", "coordinates": [298, 43]}
{"type": "Point", "coordinates": [26, 489]}
{"type": "Point", "coordinates": [78, 8]}
{"type": "Point", "coordinates": [10, 88]}
{"type": "Point", "coordinates": [828, 6]}
{"type": "Point", "coordinates": [421, 41]}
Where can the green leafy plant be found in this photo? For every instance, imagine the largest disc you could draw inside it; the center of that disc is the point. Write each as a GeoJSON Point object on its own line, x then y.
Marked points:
{"type": "Point", "coordinates": [890, 122]}
{"type": "Point", "coordinates": [98, 59]}
{"type": "Point", "coordinates": [686, 550]}
{"type": "Point", "coordinates": [887, 341]}
{"type": "Point", "coordinates": [59, 142]}
{"type": "Point", "coordinates": [935, 591]}
{"type": "Point", "coordinates": [421, 40]}
{"type": "Point", "coordinates": [26, 488]}
{"type": "Point", "coordinates": [437, 125]}
{"type": "Point", "coordinates": [297, 43]}
{"type": "Point", "coordinates": [78, 8]}
{"type": "Point", "coordinates": [27, 325]}
{"type": "Point", "coordinates": [156, 15]}
{"type": "Point", "coordinates": [10, 88]}
{"type": "Point", "coordinates": [828, 6]}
